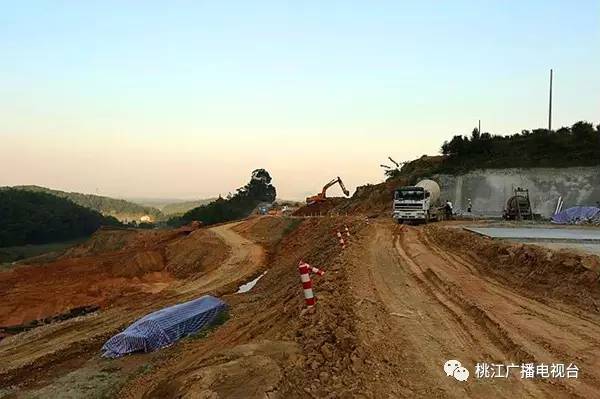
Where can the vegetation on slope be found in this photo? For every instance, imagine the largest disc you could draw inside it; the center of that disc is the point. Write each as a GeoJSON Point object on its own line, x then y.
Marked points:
{"type": "Point", "coordinates": [28, 217]}
{"type": "Point", "coordinates": [236, 206]}
{"type": "Point", "coordinates": [121, 209]}
{"type": "Point", "coordinates": [179, 208]}
{"type": "Point", "coordinates": [578, 145]}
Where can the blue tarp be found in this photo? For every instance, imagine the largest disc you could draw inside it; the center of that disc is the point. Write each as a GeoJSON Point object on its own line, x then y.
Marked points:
{"type": "Point", "coordinates": [578, 215]}
{"type": "Point", "coordinates": [162, 328]}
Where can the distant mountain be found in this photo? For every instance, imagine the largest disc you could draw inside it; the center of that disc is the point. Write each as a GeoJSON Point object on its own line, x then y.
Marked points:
{"type": "Point", "coordinates": [29, 217]}
{"type": "Point", "coordinates": [118, 208]}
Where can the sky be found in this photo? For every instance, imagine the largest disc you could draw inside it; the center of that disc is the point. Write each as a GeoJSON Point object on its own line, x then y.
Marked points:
{"type": "Point", "coordinates": [183, 99]}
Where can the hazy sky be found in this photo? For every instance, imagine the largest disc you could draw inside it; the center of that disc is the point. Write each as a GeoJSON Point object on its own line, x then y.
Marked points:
{"type": "Point", "coordinates": [185, 98]}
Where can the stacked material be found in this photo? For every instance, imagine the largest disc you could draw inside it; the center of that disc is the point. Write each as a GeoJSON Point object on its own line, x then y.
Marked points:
{"type": "Point", "coordinates": [578, 215]}
{"type": "Point", "coordinates": [164, 327]}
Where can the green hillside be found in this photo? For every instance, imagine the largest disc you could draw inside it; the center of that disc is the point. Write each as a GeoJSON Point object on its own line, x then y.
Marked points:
{"type": "Point", "coordinates": [28, 217]}
{"type": "Point", "coordinates": [578, 145]}
{"type": "Point", "coordinates": [237, 206]}
{"type": "Point", "coordinates": [120, 209]}
{"type": "Point", "coordinates": [179, 208]}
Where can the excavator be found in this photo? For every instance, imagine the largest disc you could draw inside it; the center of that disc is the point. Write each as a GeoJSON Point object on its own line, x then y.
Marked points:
{"type": "Point", "coordinates": [321, 197]}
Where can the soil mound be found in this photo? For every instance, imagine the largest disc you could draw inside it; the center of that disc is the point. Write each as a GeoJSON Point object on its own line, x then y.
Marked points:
{"type": "Point", "coordinates": [561, 275]}
{"type": "Point", "coordinates": [266, 230]}
{"type": "Point", "coordinates": [329, 360]}
{"type": "Point", "coordinates": [321, 208]}
{"type": "Point", "coordinates": [111, 265]}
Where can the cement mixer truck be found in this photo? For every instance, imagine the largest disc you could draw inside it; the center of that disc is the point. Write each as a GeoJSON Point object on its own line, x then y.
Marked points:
{"type": "Point", "coordinates": [419, 203]}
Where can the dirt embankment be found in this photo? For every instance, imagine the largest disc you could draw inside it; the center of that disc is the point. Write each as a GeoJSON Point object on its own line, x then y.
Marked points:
{"type": "Point", "coordinates": [320, 208]}
{"type": "Point", "coordinates": [317, 353]}
{"type": "Point", "coordinates": [110, 266]}
{"type": "Point", "coordinates": [391, 309]}
{"type": "Point", "coordinates": [541, 272]}
{"type": "Point", "coordinates": [429, 295]}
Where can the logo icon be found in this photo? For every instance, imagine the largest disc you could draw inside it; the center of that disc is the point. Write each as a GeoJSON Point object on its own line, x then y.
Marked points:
{"type": "Point", "coordinates": [455, 369]}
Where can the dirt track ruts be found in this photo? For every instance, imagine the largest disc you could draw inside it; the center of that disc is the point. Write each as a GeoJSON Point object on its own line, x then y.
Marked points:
{"type": "Point", "coordinates": [440, 307]}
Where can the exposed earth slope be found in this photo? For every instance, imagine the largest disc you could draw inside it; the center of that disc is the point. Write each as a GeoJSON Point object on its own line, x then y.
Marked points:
{"type": "Point", "coordinates": [391, 309]}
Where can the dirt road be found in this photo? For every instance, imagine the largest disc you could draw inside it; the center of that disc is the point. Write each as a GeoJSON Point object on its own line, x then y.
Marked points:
{"type": "Point", "coordinates": [245, 259]}
{"type": "Point", "coordinates": [425, 304]}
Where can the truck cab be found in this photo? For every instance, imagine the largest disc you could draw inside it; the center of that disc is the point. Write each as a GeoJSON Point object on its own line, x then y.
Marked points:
{"type": "Point", "coordinates": [410, 203]}
{"type": "Point", "coordinates": [414, 204]}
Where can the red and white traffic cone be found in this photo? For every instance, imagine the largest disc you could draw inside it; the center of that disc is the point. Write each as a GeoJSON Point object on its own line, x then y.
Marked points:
{"type": "Point", "coordinates": [347, 231]}
{"type": "Point", "coordinates": [305, 269]}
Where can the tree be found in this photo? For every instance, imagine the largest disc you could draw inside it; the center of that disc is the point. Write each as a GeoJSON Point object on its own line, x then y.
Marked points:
{"type": "Point", "coordinates": [28, 217]}
{"type": "Point", "coordinates": [578, 145]}
{"type": "Point", "coordinates": [239, 205]}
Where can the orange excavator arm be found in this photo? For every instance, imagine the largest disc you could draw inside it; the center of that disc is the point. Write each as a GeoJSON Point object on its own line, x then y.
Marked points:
{"type": "Point", "coordinates": [323, 194]}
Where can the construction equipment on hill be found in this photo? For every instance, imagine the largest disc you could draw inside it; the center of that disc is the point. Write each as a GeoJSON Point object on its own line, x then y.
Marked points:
{"type": "Point", "coordinates": [389, 171]}
{"type": "Point", "coordinates": [518, 207]}
{"type": "Point", "coordinates": [321, 197]}
{"type": "Point", "coordinates": [418, 203]}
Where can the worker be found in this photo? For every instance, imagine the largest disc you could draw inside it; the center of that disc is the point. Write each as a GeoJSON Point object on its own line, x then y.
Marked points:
{"type": "Point", "coordinates": [469, 205]}
{"type": "Point", "coordinates": [448, 209]}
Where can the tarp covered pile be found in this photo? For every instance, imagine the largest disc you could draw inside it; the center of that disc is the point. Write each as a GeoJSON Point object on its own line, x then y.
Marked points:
{"type": "Point", "coordinates": [162, 328]}
{"type": "Point", "coordinates": [578, 215]}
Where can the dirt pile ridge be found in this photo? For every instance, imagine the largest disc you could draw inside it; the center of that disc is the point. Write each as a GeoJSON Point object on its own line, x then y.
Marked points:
{"type": "Point", "coordinates": [321, 208]}
{"type": "Point", "coordinates": [548, 274]}
{"type": "Point", "coordinates": [110, 266]}
{"type": "Point", "coordinates": [266, 230]}
{"type": "Point", "coordinates": [391, 309]}
{"type": "Point", "coordinates": [322, 357]}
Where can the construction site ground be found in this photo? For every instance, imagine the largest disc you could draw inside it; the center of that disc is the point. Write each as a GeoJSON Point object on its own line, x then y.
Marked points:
{"type": "Point", "coordinates": [392, 308]}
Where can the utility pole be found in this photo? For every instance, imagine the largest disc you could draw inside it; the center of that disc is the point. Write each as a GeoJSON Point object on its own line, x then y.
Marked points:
{"type": "Point", "coordinates": [479, 128]}
{"type": "Point", "coordinates": [550, 105]}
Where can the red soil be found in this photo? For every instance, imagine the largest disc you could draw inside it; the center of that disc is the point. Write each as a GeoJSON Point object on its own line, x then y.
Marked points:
{"type": "Point", "coordinates": [112, 264]}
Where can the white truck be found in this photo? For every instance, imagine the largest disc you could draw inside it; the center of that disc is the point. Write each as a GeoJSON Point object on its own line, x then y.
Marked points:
{"type": "Point", "coordinates": [419, 203]}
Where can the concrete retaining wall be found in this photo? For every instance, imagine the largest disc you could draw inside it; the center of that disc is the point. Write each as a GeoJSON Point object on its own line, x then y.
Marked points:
{"type": "Point", "coordinates": [490, 188]}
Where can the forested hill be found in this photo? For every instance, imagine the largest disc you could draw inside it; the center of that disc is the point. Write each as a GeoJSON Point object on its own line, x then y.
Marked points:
{"type": "Point", "coordinates": [120, 209]}
{"type": "Point", "coordinates": [578, 145]}
{"type": "Point", "coordinates": [236, 206]}
{"type": "Point", "coordinates": [28, 217]}
{"type": "Point", "coordinates": [179, 208]}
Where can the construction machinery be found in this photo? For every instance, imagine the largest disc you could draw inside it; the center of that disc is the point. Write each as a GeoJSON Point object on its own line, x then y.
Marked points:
{"type": "Point", "coordinates": [392, 171]}
{"type": "Point", "coordinates": [518, 207]}
{"type": "Point", "coordinates": [321, 197]}
{"type": "Point", "coordinates": [418, 203]}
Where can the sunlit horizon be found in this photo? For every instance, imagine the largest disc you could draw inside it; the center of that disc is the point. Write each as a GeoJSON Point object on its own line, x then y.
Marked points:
{"type": "Point", "coordinates": [184, 101]}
